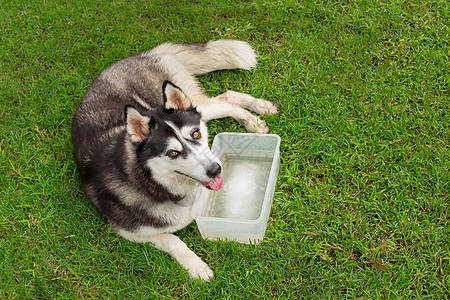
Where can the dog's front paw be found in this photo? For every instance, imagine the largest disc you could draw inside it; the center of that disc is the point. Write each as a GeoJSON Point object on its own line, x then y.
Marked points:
{"type": "Point", "coordinates": [273, 108]}
{"type": "Point", "coordinates": [265, 107]}
{"type": "Point", "coordinates": [261, 127]}
{"type": "Point", "coordinates": [255, 124]}
{"type": "Point", "coordinates": [200, 270]}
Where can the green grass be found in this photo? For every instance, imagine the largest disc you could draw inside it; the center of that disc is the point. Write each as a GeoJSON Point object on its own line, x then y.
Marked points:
{"type": "Point", "coordinates": [361, 208]}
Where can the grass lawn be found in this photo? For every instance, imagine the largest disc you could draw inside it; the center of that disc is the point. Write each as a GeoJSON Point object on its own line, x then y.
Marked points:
{"type": "Point", "coordinates": [362, 206]}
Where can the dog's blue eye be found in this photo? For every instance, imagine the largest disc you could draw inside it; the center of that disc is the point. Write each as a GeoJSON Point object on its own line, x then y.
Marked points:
{"type": "Point", "coordinates": [196, 135]}
{"type": "Point", "coordinates": [172, 153]}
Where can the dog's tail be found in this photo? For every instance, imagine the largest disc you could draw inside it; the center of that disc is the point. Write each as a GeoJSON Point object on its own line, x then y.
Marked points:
{"type": "Point", "coordinates": [200, 58]}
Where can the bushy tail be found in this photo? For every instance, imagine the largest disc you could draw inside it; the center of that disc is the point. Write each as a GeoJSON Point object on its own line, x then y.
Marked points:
{"type": "Point", "coordinates": [200, 58]}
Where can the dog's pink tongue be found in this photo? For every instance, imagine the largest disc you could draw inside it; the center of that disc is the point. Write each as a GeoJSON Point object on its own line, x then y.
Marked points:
{"type": "Point", "coordinates": [216, 184]}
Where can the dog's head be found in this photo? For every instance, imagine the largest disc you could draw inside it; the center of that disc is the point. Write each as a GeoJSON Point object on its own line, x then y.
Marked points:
{"type": "Point", "coordinates": [172, 141]}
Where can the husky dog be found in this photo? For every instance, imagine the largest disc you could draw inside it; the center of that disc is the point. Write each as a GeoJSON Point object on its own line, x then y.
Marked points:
{"type": "Point", "coordinates": [141, 144]}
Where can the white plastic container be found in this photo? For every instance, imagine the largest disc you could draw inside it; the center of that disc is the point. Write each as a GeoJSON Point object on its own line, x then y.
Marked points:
{"type": "Point", "coordinates": [240, 209]}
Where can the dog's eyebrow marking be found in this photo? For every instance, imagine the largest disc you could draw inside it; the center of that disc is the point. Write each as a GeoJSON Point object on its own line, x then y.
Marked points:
{"type": "Point", "coordinates": [175, 144]}
{"type": "Point", "coordinates": [179, 135]}
{"type": "Point", "coordinates": [186, 131]}
{"type": "Point", "coordinates": [176, 130]}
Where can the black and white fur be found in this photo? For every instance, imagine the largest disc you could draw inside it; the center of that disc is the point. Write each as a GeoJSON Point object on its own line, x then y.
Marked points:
{"type": "Point", "coordinates": [141, 144]}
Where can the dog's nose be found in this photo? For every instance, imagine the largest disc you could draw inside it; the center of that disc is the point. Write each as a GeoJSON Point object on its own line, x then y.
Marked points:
{"type": "Point", "coordinates": [214, 170]}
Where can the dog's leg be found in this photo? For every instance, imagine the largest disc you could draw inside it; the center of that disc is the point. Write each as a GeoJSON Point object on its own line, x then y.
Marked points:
{"type": "Point", "coordinates": [216, 108]}
{"type": "Point", "coordinates": [259, 106]}
{"type": "Point", "coordinates": [172, 244]}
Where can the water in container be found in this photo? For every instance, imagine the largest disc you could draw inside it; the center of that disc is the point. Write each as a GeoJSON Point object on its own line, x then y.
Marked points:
{"type": "Point", "coordinates": [245, 182]}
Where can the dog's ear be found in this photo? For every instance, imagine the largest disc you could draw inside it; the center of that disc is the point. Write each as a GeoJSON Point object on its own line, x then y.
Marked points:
{"type": "Point", "coordinates": [174, 97]}
{"type": "Point", "coordinates": [137, 124]}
